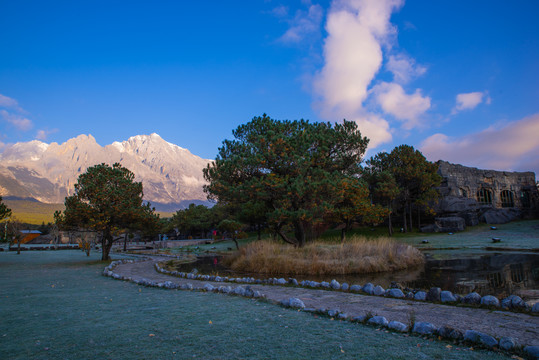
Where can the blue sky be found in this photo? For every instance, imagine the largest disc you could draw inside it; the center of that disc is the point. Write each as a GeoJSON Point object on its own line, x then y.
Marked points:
{"type": "Point", "coordinates": [458, 80]}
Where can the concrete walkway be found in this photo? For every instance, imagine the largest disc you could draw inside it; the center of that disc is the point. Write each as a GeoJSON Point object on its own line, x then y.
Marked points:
{"type": "Point", "coordinates": [523, 328]}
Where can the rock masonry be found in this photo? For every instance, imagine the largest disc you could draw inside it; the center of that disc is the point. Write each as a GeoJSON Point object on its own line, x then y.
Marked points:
{"type": "Point", "coordinates": [470, 196]}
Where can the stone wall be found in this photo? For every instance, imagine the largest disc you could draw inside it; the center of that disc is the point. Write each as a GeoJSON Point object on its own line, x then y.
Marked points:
{"type": "Point", "coordinates": [489, 196]}
{"type": "Point", "coordinates": [467, 182]}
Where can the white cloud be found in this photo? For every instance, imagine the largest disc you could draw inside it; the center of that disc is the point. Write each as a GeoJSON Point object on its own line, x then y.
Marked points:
{"type": "Point", "coordinates": [357, 30]}
{"type": "Point", "coordinates": [404, 107]}
{"type": "Point", "coordinates": [14, 113]}
{"type": "Point", "coordinates": [7, 102]}
{"type": "Point", "coordinates": [44, 134]}
{"type": "Point", "coordinates": [374, 127]}
{"type": "Point", "coordinates": [20, 122]}
{"type": "Point", "coordinates": [512, 147]}
{"type": "Point", "coordinates": [404, 68]}
{"type": "Point", "coordinates": [280, 11]}
{"type": "Point", "coordinates": [469, 101]}
{"type": "Point", "coordinates": [304, 23]}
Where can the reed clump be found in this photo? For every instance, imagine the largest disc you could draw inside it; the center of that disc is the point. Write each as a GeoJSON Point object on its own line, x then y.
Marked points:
{"type": "Point", "coordinates": [358, 255]}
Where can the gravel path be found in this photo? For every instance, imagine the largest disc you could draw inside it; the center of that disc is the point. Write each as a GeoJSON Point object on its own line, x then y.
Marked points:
{"type": "Point", "coordinates": [523, 328]}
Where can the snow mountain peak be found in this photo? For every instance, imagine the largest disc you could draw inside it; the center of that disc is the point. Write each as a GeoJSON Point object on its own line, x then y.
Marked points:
{"type": "Point", "coordinates": [171, 175]}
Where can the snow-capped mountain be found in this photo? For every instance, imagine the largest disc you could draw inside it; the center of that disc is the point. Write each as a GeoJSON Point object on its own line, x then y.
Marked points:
{"type": "Point", "coordinates": [171, 175]}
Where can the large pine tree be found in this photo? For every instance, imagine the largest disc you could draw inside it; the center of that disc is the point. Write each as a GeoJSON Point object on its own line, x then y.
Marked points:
{"type": "Point", "coordinates": [107, 200]}
{"type": "Point", "coordinates": [294, 168]}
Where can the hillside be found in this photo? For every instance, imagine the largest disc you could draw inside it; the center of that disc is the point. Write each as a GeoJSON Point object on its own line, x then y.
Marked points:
{"type": "Point", "coordinates": [31, 211]}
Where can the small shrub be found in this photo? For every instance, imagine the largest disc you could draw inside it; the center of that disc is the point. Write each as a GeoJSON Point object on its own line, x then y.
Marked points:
{"type": "Point", "coordinates": [368, 315]}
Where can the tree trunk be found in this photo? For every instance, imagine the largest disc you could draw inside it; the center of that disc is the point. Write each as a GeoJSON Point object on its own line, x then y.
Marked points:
{"type": "Point", "coordinates": [410, 214]}
{"type": "Point", "coordinates": [125, 242]}
{"type": "Point", "coordinates": [343, 235]}
{"type": "Point", "coordinates": [404, 218]}
{"type": "Point", "coordinates": [106, 250]}
{"type": "Point", "coordinates": [235, 241]}
{"type": "Point", "coordinates": [390, 226]}
{"type": "Point", "coordinates": [419, 219]}
{"type": "Point", "coordinates": [106, 242]}
{"type": "Point", "coordinates": [259, 231]}
{"type": "Point", "coordinates": [19, 247]}
{"type": "Point", "coordinates": [285, 238]}
{"type": "Point", "coordinates": [300, 233]}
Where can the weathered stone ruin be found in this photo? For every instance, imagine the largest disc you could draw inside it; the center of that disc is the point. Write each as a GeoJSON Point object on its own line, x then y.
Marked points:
{"type": "Point", "coordinates": [470, 196]}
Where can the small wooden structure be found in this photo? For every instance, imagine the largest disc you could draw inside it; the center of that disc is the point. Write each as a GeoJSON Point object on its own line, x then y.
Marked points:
{"type": "Point", "coordinates": [29, 235]}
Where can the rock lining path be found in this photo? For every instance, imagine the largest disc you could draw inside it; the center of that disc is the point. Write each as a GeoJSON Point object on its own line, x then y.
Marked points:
{"type": "Point", "coordinates": [523, 328]}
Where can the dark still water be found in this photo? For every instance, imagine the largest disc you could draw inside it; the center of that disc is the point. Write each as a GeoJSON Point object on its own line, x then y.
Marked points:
{"type": "Point", "coordinates": [498, 274]}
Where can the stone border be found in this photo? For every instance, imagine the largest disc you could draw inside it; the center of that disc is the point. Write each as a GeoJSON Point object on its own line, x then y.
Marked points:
{"type": "Point", "coordinates": [435, 295]}
{"type": "Point", "coordinates": [42, 248]}
{"type": "Point", "coordinates": [423, 328]}
{"type": "Point", "coordinates": [420, 328]}
{"type": "Point", "coordinates": [240, 291]}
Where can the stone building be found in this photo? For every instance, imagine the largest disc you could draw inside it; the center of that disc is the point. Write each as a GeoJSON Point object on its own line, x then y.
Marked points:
{"type": "Point", "coordinates": [471, 195]}
{"type": "Point", "coordinates": [501, 189]}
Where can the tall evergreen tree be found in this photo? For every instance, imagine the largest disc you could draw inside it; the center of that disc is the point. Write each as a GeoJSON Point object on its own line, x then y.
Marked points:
{"type": "Point", "coordinates": [414, 176]}
{"type": "Point", "coordinates": [5, 212]}
{"type": "Point", "coordinates": [107, 200]}
{"type": "Point", "coordinates": [291, 167]}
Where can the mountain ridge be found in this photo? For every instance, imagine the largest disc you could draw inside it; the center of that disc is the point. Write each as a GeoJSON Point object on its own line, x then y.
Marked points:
{"type": "Point", "coordinates": [171, 175]}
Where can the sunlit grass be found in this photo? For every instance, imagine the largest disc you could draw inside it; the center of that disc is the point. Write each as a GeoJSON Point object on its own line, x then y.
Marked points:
{"type": "Point", "coordinates": [33, 212]}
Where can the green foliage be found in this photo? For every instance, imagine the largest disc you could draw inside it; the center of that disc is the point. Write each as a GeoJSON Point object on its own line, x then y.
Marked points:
{"type": "Point", "coordinates": [232, 227]}
{"type": "Point", "coordinates": [107, 200]}
{"type": "Point", "coordinates": [289, 169]}
{"type": "Point", "coordinates": [403, 178]}
{"type": "Point", "coordinates": [195, 220]}
{"type": "Point", "coordinates": [229, 225]}
{"type": "Point", "coordinates": [254, 214]}
{"type": "Point", "coordinates": [352, 204]}
{"type": "Point", "coordinates": [5, 212]}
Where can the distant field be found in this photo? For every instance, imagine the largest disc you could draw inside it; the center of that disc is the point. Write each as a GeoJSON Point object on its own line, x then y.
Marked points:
{"type": "Point", "coordinates": [164, 214]}
{"type": "Point", "coordinates": [33, 212]}
{"type": "Point", "coordinates": [36, 213]}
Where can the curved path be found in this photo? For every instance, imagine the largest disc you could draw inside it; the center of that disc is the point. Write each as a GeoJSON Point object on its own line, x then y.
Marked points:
{"type": "Point", "coordinates": [523, 328]}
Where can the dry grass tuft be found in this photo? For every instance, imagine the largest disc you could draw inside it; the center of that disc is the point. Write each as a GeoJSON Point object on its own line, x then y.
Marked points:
{"type": "Point", "coordinates": [358, 255]}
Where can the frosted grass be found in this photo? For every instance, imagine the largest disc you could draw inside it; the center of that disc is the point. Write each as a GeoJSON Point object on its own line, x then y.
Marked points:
{"type": "Point", "coordinates": [56, 305]}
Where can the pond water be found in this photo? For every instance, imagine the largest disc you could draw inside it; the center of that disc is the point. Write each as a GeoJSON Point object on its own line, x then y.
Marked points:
{"type": "Point", "coordinates": [498, 274]}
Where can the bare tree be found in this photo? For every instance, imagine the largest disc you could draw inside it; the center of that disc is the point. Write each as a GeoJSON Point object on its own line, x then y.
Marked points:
{"type": "Point", "coordinates": [15, 234]}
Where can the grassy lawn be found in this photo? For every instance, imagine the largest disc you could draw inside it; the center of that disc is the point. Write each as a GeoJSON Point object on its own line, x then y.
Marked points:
{"type": "Point", "coordinates": [56, 305]}
{"type": "Point", "coordinates": [517, 235]}
{"type": "Point", "coordinates": [220, 247]}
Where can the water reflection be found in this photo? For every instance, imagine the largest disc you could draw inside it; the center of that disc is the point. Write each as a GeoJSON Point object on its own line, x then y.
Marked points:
{"type": "Point", "coordinates": [498, 274]}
